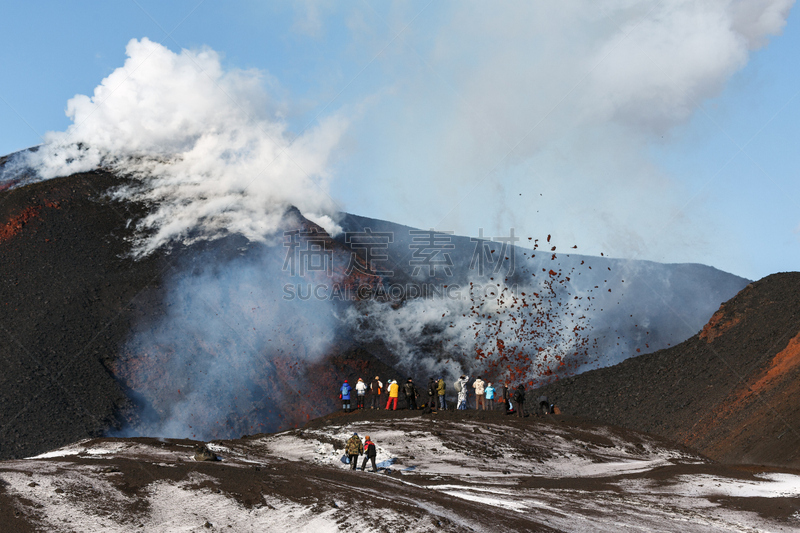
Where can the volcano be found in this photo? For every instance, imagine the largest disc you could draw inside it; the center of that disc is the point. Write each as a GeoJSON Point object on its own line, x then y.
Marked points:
{"type": "Point", "coordinates": [200, 340]}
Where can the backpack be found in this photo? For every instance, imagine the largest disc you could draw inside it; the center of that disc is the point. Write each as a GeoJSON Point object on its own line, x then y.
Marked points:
{"type": "Point", "coordinates": [457, 385]}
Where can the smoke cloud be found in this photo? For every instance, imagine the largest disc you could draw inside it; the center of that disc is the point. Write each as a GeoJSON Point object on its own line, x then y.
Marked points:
{"type": "Point", "coordinates": [518, 327]}
{"type": "Point", "coordinates": [488, 333]}
{"type": "Point", "coordinates": [567, 100]}
{"type": "Point", "coordinates": [208, 147]}
{"type": "Point", "coordinates": [229, 354]}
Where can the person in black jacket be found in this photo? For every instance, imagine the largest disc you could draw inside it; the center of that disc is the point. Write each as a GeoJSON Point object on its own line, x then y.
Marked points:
{"type": "Point", "coordinates": [410, 392]}
{"type": "Point", "coordinates": [369, 454]}
{"type": "Point", "coordinates": [506, 396]}
{"type": "Point", "coordinates": [432, 393]}
{"type": "Point", "coordinates": [519, 400]}
{"type": "Point", "coordinates": [375, 390]}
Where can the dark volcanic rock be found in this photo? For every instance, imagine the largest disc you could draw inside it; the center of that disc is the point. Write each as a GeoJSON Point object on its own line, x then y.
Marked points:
{"type": "Point", "coordinates": [732, 391]}
{"type": "Point", "coordinates": [68, 296]}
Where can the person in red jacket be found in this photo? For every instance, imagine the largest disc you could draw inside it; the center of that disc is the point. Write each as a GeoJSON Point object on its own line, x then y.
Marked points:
{"type": "Point", "coordinates": [369, 454]}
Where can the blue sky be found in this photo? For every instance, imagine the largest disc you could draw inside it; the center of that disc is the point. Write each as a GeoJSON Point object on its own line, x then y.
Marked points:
{"type": "Point", "coordinates": [639, 130]}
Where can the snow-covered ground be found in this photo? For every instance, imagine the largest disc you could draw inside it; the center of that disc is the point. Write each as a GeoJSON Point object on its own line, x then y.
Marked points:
{"type": "Point", "coordinates": [464, 449]}
{"type": "Point", "coordinates": [435, 474]}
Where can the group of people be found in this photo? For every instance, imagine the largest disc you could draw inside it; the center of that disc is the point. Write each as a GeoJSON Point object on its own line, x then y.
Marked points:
{"type": "Point", "coordinates": [375, 390]}
{"type": "Point", "coordinates": [483, 391]}
{"type": "Point", "coordinates": [514, 402]}
{"type": "Point", "coordinates": [486, 394]}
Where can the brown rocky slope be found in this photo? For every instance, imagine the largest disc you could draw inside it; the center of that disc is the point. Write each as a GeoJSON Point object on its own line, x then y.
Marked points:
{"type": "Point", "coordinates": [731, 391]}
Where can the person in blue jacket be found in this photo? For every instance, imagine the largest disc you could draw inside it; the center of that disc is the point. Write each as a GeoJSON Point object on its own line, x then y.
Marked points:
{"type": "Point", "coordinates": [489, 391]}
{"type": "Point", "coordinates": [344, 395]}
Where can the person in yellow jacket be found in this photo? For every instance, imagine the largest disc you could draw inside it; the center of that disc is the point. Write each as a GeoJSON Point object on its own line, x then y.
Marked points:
{"type": "Point", "coordinates": [394, 388]}
{"type": "Point", "coordinates": [441, 389]}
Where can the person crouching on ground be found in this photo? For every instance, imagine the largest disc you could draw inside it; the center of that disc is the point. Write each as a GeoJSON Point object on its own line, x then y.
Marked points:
{"type": "Point", "coordinates": [490, 396]}
{"type": "Point", "coordinates": [344, 395]}
{"type": "Point", "coordinates": [361, 391]}
{"type": "Point", "coordinates": [393, 390]}
{"type": "Point", "coordinates": [462, 393]}
{"type": "Point", "coordinates": [544, 405]}
{"type": "Point", "coordinates": [480, 399]}
{"type": "Point", "coordinates": [375, 391]}
{"type": "Point", "coordinates": [369, 454]}
{"type": "Point", "coordinates": [441, 390]}
{"type": "Point", "coordinates": [353, 450]}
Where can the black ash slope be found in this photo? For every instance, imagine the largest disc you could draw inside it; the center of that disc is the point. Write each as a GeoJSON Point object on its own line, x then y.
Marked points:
{"type": "Point", "coordinates": [731, 391]}
{"type": "Point", "coordinates": [68, 297]}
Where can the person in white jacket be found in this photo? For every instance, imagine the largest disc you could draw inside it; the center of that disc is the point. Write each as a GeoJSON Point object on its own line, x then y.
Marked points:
{"type": "Point", "coordinates": [480, 399]}
{"type": "Point", "coordinates": [462, 392]}
{"type": "Point", "coordinates": [361, 391]}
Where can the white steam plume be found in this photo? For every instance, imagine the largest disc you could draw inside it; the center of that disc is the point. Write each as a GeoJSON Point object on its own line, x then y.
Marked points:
{"type": "Point", "coordinates": [208, 147]}
{"type": "Point", "coordinates": [563, 99]}
{"type": "Point", "coordinates": [664, 59]}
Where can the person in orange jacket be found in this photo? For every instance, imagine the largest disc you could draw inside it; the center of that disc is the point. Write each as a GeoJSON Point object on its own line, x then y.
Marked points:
{"type": "Point", "coordinates": [394, 388]}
